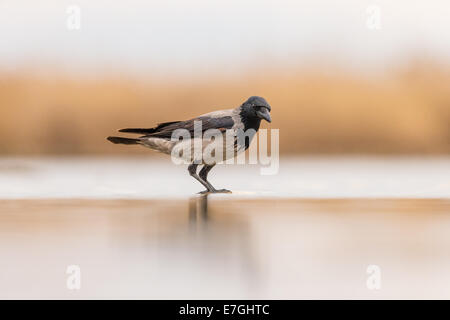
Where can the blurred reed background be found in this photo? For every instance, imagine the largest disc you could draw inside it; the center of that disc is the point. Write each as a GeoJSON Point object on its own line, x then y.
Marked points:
{"type": "Point", "coordinates": [384, 91]}
{"type": "Point", "coordinates": [317, 111]}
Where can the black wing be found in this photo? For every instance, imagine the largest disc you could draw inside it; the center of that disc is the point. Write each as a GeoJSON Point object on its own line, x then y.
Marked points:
{"type": "Point", "coordinates": [165, 130]}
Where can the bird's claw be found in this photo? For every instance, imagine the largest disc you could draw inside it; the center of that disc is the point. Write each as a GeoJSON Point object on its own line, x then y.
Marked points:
{"type": "Point", "coordinates": [215, 191]}
{"type": "Point", "coordinates": [222, 191]}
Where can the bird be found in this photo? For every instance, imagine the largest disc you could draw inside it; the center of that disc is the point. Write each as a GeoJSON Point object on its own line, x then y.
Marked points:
{"type": "Point", "coordinates": [245, 118]}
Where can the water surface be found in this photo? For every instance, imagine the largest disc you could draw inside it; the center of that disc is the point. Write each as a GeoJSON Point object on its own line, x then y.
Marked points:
{"type": "Point", "coordinates": [137, 230]}
{"type": "Point", "coordinates": [267, 248]}
{"type": "Point", "coordinates": [158, 177]}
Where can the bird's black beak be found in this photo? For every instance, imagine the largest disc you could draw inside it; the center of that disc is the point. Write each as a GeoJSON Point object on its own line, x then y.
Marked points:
{"type": "Point", "coordinates": [263, 113]}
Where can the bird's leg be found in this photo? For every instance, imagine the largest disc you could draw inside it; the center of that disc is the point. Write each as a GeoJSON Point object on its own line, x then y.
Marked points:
{"type": "Point", "coordinates": [193, 172]}
{"type": "Point", "coordinates": [204, 175]}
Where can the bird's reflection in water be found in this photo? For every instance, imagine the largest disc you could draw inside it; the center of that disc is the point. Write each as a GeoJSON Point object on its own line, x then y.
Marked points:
{"type": "Point", "coordinates": [198, 209]}
{"type": "Point", "coordinates": [222, 235]}
{"type": "Point", "coordinates": [213, 241]}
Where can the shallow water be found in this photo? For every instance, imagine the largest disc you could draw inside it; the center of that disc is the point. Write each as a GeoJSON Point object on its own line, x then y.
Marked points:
{"type": "Point", "coordinates": [136, 231]}
{"type": "Point", "coordinates": [155, 178]}
{"type": "Point", "coordinates": [267, 248]}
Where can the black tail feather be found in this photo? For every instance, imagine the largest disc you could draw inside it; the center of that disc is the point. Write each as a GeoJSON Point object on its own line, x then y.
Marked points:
{"type": "Point", "coordinates": [149, 130]}
{"type": "Point", "coordinates": [120, 140]}
{"type": "Point", "coordinates": [138, 130]}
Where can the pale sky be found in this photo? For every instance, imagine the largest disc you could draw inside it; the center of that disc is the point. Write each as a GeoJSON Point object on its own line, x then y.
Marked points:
{"type": "Point", "coordinates": [200, 35]}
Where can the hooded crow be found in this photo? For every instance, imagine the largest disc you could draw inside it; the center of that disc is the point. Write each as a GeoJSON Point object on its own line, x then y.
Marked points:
{"type": "Point", "coordinates": [243, 119]}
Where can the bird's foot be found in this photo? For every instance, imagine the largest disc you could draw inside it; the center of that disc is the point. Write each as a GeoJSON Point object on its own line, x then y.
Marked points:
{"type": "Point", "coordinates": [215, 191]}
{"type": "Point", "coordinates": [222, 191]}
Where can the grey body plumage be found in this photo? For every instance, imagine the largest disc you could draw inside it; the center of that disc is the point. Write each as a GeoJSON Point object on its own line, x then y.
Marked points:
{"type": "Point", "coordinates": [248, 116]}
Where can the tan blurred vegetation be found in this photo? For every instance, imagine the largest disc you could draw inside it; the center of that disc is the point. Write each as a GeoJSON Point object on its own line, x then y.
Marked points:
{"type": "Point", "coordinates": [405, 111]}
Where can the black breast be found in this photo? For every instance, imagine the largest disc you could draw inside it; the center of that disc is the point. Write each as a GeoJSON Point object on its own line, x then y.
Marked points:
{"type": "Point", "coordinates": [250, 120]}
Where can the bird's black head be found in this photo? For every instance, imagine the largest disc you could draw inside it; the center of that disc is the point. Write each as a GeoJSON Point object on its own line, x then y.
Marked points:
{"type": "Point", "coordinates": [253, 111]}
